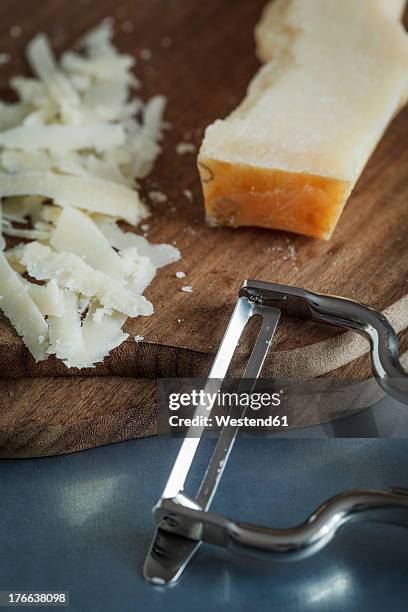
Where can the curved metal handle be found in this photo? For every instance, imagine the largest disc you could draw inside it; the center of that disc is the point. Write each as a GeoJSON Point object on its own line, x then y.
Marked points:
{"type": "Point", "coordinates": [308, 538]}
{"type": "Point", "coordinates": [345, 313]}
{"type": "Point", "coordinates": [286, 544]}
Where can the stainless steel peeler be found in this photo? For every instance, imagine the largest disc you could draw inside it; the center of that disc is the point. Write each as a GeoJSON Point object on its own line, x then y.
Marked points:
{"type": "Point", "coordinates": [184, 522]}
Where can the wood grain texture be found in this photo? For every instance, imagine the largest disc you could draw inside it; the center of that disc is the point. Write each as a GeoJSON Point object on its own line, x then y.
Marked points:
{"type": "Point", "coordinates": [52, 416]}
{"type": "Point", "coordinates": [204, 74]}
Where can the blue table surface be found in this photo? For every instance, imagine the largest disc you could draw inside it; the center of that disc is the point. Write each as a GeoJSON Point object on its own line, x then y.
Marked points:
{"type": "Point", "coordinates": [82, 523]}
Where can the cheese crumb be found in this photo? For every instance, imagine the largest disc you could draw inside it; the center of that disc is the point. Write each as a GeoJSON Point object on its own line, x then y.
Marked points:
{"type": "Point", "coordinates": [127, 26]}
{"type": "Point", "coordinates": [187, 289]}
{"type": "Point", "coordinates": [138, 339]}
{"type": "Point", "coordinates": [146, 54]}
{"type": "Point", "coordinates": [15, 31]}
{"type": "Point", "coordinates": [4, 58]}
{"type": "Point", "coordinates": [166, 42]}
{"type": "Point", "coordinates": [157, 196]}
{"type": "Point", "coordinates": [180, 274]}
{"type": "Point", "coordinates": [188, 194]}
{"type": "Point", "coordinates": [185, 147]}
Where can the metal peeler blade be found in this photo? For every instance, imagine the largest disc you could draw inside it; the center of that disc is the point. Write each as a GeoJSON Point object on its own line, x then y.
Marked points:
{"type": "Point", "coordinates": [183, 523]}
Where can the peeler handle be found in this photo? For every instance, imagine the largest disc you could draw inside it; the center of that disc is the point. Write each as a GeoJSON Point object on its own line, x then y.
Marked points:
{"type": "Point", "coordinates": [347, 314]}
{"type": "Point", "coordinates": [306, 539]}
{"type": "Point", "coordinates": [299, 542]}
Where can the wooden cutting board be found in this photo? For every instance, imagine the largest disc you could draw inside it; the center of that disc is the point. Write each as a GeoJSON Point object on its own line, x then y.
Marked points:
{"type": "Point", "coordinates": [202, 60]}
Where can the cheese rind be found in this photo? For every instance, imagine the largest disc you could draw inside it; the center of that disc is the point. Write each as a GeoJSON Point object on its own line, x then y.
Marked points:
{"type": "Point", "coordinates": [290, 154]}
{"type": "Point", "coordinates": [295, 202]}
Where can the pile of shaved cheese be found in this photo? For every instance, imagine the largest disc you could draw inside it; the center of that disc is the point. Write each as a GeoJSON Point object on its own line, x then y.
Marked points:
{"type": "Point", "coordinates": [71, 151]}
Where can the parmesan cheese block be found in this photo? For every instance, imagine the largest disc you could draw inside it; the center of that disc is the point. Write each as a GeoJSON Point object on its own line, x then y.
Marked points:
{"type": "Point", "coordinates": [393, 8]}
{"type": "Point", "coordinates": [290, 154]}
{"type": "Point", "coordinates": [273, 32]}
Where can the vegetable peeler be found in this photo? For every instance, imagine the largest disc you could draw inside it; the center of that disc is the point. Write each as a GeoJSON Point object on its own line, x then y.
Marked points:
{"type": "Point", "coordinates": [184, 522]}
